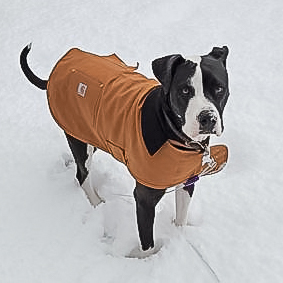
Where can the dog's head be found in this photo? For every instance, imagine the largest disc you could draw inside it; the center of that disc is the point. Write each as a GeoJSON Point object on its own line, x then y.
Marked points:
{"type": "Point", "coordinates": [196, 91]}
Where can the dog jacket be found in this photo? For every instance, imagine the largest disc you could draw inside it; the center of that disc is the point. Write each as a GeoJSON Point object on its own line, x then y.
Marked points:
{"type": "Point", "coordinates": [98, 100]}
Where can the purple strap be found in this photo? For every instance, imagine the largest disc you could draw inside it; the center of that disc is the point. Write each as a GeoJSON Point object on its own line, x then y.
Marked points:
{"type": "Point", "coordinates": [189, 185]}
{"type": "Point", "coordinates": [191, 180]}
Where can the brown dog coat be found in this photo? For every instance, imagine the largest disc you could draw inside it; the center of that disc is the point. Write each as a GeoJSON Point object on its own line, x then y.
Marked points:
{"type": "Point", "coordinates": [98, 100]}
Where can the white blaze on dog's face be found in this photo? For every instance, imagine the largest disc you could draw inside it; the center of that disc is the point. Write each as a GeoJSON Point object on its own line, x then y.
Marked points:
{"type": "Point", "coordinates": [198, 94]}
{"type": "Point", "coordinates": [197, 105]}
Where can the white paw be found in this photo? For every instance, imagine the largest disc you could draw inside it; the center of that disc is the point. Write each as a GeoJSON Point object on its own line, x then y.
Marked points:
{"type": "Point", "coordinates": [93, 197]}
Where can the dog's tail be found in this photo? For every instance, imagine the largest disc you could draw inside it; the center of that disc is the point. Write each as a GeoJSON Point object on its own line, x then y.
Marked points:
{"type": "Point", "coordinates": [42, 84]}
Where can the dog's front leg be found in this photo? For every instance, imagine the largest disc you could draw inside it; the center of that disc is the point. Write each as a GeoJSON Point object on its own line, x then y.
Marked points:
{"type": "Point", "coordinates": [182, 199]}
{"type": "Point", "coordinates": [146, 200]}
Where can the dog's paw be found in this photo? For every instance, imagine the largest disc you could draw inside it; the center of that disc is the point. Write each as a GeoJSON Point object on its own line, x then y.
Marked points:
{"type": "Point", "coordinates": [140, 254]}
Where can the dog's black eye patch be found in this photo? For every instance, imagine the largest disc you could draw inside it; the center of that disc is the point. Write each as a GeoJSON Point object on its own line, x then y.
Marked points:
{"type": "Point", "coordinates": [215, 89]}
{"type": "Point", "coordinates": [215, 81]}
{"type": "Point", "coordinates": [212, 87]}
{"type": "Point", "coordinates": [182, 91]}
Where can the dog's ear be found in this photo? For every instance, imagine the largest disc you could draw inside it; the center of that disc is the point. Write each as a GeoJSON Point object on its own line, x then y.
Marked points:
{"type": "Point", "coordinates": [220, 53]}
{"type": "Point", "coordinates": [164, 68]}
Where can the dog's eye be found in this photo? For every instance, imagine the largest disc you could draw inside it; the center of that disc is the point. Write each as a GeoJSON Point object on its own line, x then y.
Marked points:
{"type": "Point", "coordinates": [185, 90]}
{"type": "Point", "coordinates": [219, 89]}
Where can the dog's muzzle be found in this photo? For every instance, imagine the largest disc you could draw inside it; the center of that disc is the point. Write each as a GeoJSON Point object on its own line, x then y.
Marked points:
{"type": "Point", "coordinates": [207, 121]}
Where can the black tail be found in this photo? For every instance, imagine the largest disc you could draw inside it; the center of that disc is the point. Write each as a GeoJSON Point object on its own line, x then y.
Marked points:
{"type": "Point", "coordinates": [42, 84]}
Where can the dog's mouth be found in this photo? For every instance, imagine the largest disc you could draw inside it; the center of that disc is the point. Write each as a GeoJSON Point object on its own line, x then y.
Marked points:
{"type": "Point", "coordinates": [201, 135]}
{"type": "Point", "coordinates": [215, 131]}
{"type": "Point", "coordinates": [210, 133]}
{"type": "Point", "coordinates": [207, 132]}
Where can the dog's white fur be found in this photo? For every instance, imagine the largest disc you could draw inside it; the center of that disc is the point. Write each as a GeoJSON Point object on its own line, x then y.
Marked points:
{"type": "Point", "coordinates": [197, 104]}
{"type": "Point", "coordinates": [182, 200]}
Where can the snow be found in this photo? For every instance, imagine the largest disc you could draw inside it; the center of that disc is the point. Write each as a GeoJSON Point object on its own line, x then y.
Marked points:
{"type": "Point", "coordinates": [48, 230]}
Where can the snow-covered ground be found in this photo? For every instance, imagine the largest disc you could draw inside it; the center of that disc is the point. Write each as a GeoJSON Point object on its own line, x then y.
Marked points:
{"type": "Point", "coordinates": [48, 230]}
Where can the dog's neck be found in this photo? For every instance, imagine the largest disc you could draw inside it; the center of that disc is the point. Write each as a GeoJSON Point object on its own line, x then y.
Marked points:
{"type": "Point", "coordinates": [159, 125]}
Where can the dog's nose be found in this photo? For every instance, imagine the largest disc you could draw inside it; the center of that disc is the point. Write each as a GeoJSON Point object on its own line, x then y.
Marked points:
{"type": "Point", "coordinates": [207, 121]}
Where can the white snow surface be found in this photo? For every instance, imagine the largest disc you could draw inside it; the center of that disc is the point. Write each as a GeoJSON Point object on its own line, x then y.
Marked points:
{"type": "Point", "coordinates": [48, 230]}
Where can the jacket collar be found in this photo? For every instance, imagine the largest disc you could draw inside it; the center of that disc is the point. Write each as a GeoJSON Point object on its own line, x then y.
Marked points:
{"type": "Point", "coordinates": [158, 125]}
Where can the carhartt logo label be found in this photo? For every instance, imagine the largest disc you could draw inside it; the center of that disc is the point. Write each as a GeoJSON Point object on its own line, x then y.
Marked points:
{"type": "Point", "coordinates": [82, 89]}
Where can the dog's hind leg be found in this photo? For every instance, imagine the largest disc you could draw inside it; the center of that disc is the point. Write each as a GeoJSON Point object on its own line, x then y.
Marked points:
{"type": "Point", "coordinates": [82, 153]}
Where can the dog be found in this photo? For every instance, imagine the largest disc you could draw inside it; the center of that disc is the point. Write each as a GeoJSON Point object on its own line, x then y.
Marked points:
{"type": "Point", "coordinates": [160, 129]}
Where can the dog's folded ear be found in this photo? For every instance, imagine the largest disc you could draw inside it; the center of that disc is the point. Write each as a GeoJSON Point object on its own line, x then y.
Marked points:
{"type": "Point", "coordinates": [220, 53]}
{"type": "Point", "coordinates": [164, 68]}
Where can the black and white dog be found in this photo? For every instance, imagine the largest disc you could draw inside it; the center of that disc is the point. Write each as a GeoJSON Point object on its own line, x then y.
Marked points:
{"type": "Point", "coordinates": [195, 99]}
